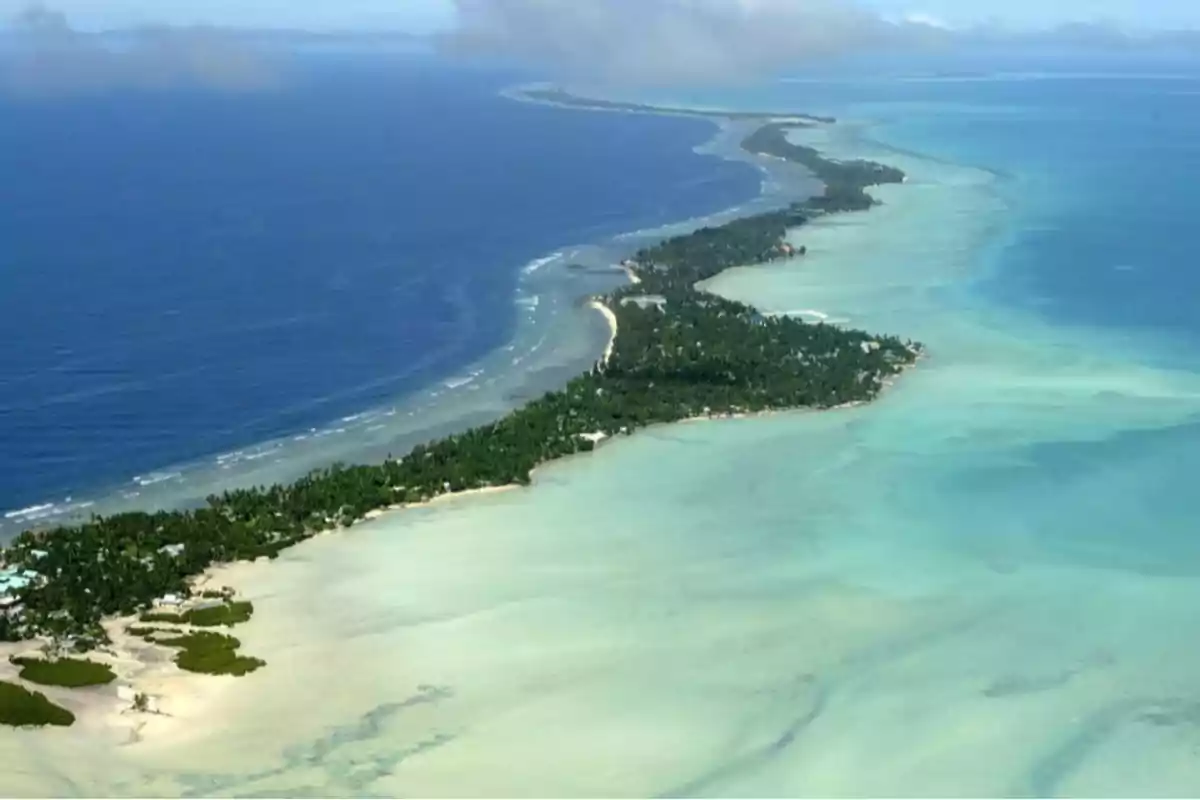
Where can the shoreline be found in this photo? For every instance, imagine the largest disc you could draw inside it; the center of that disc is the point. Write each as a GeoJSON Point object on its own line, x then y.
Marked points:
{"type": "Point", "coordinates": [177, 699]}
{"type": "Point", "coordinates": [548, 94]}
{"type": "Point", "coordinates": [611, 319]}
{"type": "Point", "coordinates": [199, 477]}
{"type": "Point", "coordinates": [181, 699]}
{"type": "Point", "coordinates": [175, 691]}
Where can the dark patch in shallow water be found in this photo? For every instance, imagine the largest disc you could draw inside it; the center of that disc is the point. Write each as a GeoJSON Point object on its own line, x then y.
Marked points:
{"type": "Point", "coordinates": [1172, 713]}
{"type": "Point", "coordinates": [1011, 685]}
{"type": "Point", "coordinates": [347, 773]}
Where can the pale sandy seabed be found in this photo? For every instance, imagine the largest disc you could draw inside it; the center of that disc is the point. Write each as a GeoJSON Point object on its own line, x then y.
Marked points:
{"type": "Point", "coordinates": [973, 586]}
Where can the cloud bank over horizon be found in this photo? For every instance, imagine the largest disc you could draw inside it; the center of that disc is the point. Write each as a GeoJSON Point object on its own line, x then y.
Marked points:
{"type": "Point", "coordinates": [674, 41]}
{"type": "Point", "coordinates": [43, 54]}
{"type": "Point", "coordinates": [665, 42]}
{"type": "Point", "coordinates": [616, 42]}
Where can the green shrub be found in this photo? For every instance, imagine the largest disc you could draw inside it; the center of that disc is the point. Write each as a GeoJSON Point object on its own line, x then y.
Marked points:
{"type": "Point", "coordinates": [70, 672]}
{"type": "Point", "coordinates": [150, 634]}
{"type": "Point", "coordinates": [227, 614]}
{"type": "Point", "coordinates": [218, 662]}
{"type": "Point", "coordinates": [212, 654]}
{"type": "Point", "coordinates": [183, 640]}
{"type": "Point", "coordinates": [20, 707]}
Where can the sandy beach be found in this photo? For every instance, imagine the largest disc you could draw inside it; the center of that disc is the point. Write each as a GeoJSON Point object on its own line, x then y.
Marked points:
{"type": "Point", "coordinates": [611, 319]}
{"type": "Point", "coordinates": [180, 705]}
{"type": "Point", "coordinates": [178, 702]}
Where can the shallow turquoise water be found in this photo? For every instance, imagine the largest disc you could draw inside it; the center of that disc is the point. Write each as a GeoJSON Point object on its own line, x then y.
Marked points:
{"type": "Point", "coordinates": [983, 584]}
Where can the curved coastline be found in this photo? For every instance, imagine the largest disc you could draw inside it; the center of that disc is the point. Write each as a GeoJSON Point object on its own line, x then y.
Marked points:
{"type": "Point", "coordinates": [549, 341]}
{"type": "Point", "coordinates": [874, 602]}
{"type": "Point", "coordinates": [550, 335]}
{"type": "Point", "coordinates": [652, 265]}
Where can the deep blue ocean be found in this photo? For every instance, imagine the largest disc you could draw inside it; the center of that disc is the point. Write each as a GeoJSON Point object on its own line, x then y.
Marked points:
{"type": "Point", "coordinates": [183, 274]}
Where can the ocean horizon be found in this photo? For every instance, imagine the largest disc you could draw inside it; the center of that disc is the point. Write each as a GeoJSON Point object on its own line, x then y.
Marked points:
{"type": "Point", "coordinates": [981, 584]}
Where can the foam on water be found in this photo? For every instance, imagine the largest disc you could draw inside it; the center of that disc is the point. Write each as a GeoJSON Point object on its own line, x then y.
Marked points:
{"type": "Point", "coordinates": [984, 584]}
{"type": "Point", "coordinates": [538, 263]}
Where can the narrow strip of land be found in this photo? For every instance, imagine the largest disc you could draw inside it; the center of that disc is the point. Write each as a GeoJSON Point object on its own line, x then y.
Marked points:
{"type": "Point", "coordinates": [559, 97]}
{"type": "Point", "coordinates": [676, 352]}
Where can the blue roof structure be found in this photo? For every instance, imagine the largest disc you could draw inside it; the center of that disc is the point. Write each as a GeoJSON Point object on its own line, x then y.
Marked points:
{"type": "Point", "coordinates": [14, 579]}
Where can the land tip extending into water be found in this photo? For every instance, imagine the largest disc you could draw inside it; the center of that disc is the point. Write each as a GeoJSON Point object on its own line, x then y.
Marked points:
{"type": "Point", "coordinates": [552, 95]}
{"type": "Point", "coordinates": [119, 585]}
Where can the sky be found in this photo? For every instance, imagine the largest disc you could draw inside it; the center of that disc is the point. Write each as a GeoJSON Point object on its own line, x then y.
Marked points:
{"type": "Point", "coordinates": [427, 15]}
{"type": "Point", "coordinates": [620, 42]}
{"type": "Point", "coordinates": [1047, 13]}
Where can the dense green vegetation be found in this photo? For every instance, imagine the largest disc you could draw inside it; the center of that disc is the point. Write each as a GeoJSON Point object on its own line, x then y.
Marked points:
{"type": "Point", "coordinates": [211, 653]}
{"type": "Point", "coordinates": [70, 672]}
{"type": "Point", "coordinates": [844, 180]}
{"type": "Point", "coordinates": [225, 614]}
{"type": "Point", "coordinates": [689, 353]}
{"type": "Point", "coordinates": [229, 613]}
{"type": "Point", "coordinates": [20, 707]}
{"type": "Point", "coordinates": [561, 98]}
{"type": "Point", "coordinates": [157, 635]}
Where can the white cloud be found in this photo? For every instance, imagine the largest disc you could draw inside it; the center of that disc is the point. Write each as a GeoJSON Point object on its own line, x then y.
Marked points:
{"type": "Point", "coordinates": [923, 18]}
{"type": "Point", "coordinates": [46, 55]}
{"type": "Point", "coordinates": [665, 41]}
